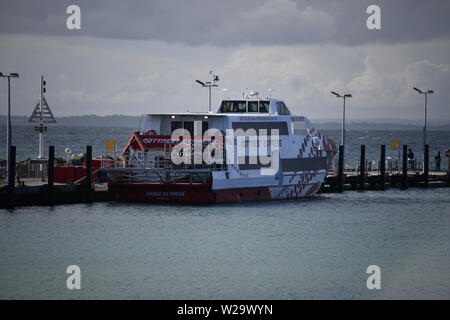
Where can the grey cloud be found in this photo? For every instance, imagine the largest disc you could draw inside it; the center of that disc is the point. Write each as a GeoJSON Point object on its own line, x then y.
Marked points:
{"type": "Point", "coordinates": [300, 49]}
{"type": "Point", "coordinates": [105, 76]}
{"type": "Point", "coordinates": [233, 22]}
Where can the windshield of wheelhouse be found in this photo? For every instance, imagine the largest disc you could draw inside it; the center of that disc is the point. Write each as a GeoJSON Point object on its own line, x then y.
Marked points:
{"type": "Point", "coordinates": [241, 106]}
{"type": "Point", "coordinates": [233, 106]}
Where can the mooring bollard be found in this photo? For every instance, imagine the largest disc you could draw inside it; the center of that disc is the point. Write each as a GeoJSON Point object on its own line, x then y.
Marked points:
{"type": "Point", "coordinates": [11, 176]}
{"type": "Point", "coordinates": [88, 184]}
{"type": "Point", "coordinates": [340, 176]}
{"type": "Point", "coordinates": [362, 168]}
{"type": "Point", "coordinates": [426, 166]}
{"type": "Point", "coordinates": [405, 166]}
{"type": "Point", "coordinates": [383, 167]}
{"type": "Point", "coordinates": [50, 175]}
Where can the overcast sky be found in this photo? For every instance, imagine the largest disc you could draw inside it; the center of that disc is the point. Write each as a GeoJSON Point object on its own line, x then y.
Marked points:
{"type": "Point", "coordinates": [133, 57]}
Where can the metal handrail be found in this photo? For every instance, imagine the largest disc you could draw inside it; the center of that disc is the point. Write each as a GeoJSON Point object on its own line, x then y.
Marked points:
{"type": "Point", "coordinates": [163, 176]}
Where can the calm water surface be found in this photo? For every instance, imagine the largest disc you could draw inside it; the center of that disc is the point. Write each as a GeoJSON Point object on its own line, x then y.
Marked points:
{"type": "Point", "coordinates": [315, 248]}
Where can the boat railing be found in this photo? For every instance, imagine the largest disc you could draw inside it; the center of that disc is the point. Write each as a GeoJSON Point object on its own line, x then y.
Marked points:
{"type": "Point", "coordinates": [156, 160]}
{"type": "Point", "coordinates": [159, 176]}
{"type": "Point", "coordinates": [157, 167]}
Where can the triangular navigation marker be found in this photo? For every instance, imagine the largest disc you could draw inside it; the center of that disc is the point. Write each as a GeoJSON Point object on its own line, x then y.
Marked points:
{"type": "Point", "coordinates": [44, 116]}
{"type": "Point", "coordinates": [41, 115]}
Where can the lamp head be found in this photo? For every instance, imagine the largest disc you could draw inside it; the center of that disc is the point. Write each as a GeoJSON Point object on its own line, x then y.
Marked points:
{"type": "Point", "coordinates": [336, 94]}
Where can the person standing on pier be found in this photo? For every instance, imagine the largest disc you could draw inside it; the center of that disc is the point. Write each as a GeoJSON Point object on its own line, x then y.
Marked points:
{"type": "Point", "coordinates": [411, 159]}
{"type": "Point", "coordinates": [437, 161]}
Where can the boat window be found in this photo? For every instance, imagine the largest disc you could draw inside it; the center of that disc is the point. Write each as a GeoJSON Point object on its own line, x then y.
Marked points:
{"type": "Point", "coordinates": [189, 126]}
{"type": "Point", "coordinates": [264, 106]}
{"type": "Point", "coordinates": [286, 110]}
{"type": "Point", "coordinates": [299, 128]}
{"type": "Point", "coordinates": [204, 126]}
{"type": "Point", "coordinates": [239, 106]}
{"type": "Point", "coordinates": [233, 106]}
{"type": "Point", "coordinates": [281, 126]}
{"type": "Point", "coordinates": [175, 125]}
{"type": "Point", "coordinates": [282, 109]}
{"type": "Point", "coordinates": [226, 106]}
{"type": "Point", "coordinates": [253, 106]}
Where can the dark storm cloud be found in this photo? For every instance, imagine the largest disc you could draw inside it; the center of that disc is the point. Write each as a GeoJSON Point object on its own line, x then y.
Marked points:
{"type": "Point", "coordinates": [233, 22]}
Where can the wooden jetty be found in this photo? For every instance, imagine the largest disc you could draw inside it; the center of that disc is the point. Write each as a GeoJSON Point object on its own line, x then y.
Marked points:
{"type": "Point", "coordinates": [37, 191]}
{"type": "Point", "coordinates": [34, 191]}
{"type": "Point", "coordinates": [382, 179]}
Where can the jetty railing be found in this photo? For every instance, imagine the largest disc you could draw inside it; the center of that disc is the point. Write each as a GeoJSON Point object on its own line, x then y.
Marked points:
{"type": "Point", "coordinates": [376, 174]}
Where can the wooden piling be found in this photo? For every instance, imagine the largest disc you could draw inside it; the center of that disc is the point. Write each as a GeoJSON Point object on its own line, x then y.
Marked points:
{"type": "Point", "coordinates": [11, 176]}
{"type": "Point", "coordinates": [405, 167]}
{"type": "Point", "coordinates": [362, 168]}
{"type": "Point", "coordinates": [382, 168]}
{"type": "Point", "coordinates": [340, 176]}
{"type": "Point", "coordinates": [50, 175]}
{"type": "Point", "coordinates": [88, 182]}
{"type": "Point", "coordinates": [448, 174]}
{"type": "Point", "coordinates": [426, 166]}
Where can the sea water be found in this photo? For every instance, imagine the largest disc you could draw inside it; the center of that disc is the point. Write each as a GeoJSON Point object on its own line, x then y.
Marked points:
{"type": "Point", "coordinates": [298, 249]}
{"type": "Point", "coordinates": [315, 248]}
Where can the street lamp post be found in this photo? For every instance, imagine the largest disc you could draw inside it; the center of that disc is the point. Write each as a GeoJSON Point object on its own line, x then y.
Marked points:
{"type": "Point", "coordinates": [209, 84]}
{"type": "Point", "coordinates": [425, 93]}
{"type": "Point", "coordinates": [8, 123]}
{"type": "Point", "coordinates": [343, 114]}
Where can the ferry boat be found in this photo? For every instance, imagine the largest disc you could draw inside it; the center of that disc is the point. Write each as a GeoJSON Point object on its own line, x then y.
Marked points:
{"type": "Point", "coordinates": [149, 172]}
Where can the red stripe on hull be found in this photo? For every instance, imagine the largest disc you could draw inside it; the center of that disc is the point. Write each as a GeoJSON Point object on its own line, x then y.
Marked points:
{"type": "Point", "coordinates": [186, 193]}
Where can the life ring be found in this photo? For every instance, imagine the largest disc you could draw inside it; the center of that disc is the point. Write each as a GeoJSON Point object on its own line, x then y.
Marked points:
{"type": "Point", "coordinates": [447, 152]}
{"type": "Point", "coordinates": [150, 132]}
